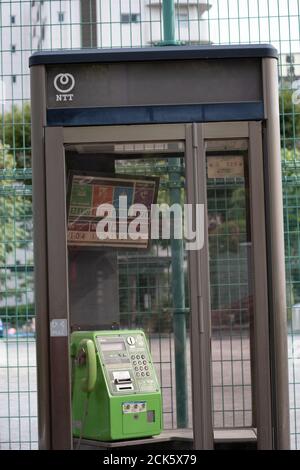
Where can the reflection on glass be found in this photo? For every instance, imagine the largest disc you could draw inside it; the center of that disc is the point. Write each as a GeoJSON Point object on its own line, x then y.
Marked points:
{"type": "Point", "coordinates": [230, 278]}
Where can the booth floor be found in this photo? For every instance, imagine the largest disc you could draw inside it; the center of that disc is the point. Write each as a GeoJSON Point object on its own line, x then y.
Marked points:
{"type": "Point", "coordinates": [176, 440]}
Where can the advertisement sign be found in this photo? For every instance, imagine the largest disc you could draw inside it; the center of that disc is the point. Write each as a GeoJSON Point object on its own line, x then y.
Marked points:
{"type": "Point", "coordinates": [102, 207]}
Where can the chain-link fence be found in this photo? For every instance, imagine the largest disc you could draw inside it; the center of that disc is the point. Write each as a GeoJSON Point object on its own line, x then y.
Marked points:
{"type": "Point", "coordinates": [26, 26]}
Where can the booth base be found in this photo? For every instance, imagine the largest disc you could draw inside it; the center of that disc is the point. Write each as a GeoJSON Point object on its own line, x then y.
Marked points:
{"type": "Point", "coordinates": [243, 439]}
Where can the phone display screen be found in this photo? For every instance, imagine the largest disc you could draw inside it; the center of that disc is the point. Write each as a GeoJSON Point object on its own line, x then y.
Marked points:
{"type": "Point", "coordinates": [112, 346]}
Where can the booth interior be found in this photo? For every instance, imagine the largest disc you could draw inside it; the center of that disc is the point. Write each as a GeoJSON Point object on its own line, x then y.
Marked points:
{"type": "Point", "coordinates": [143, 284]}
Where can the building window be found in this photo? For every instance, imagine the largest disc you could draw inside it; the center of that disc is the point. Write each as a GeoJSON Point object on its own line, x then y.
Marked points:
{"type": "Point", "coordinates": [61, 16]}
{"type": "Point", "coordinates": [130, 18]}
{"type": "Point", "coordinates": [291, 71]}
{"type": "Point", "coordinates": [14, 78]}
{"type": "Point", "coordinates": [42, 32]}
{"type": "Point", "coordinates": [290, 59]}
{"type": "Point", "coordinates": [13, 19]}
{"type": "Point", "coordinates": [182, 20]}
{"type": "Point", "coordinates": [13, 48]}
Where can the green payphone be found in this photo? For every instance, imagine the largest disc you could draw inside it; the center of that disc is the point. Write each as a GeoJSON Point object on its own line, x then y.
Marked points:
{"type": "Point", "coordinates": [115, 391]}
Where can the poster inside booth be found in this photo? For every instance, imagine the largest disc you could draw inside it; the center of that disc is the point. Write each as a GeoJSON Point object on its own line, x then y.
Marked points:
{"type": "Point", "coordinates": [110, 210]}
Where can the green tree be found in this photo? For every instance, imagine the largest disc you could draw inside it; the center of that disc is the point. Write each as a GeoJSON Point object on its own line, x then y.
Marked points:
{"type": "Point", "coordinates": [291, 198]}
{"type": "Point", "coordinates": [15, 132]}
{"type": "Point", "coordinates": [15, 217]}
{"type": "Point", "coordinates": [289, 118]}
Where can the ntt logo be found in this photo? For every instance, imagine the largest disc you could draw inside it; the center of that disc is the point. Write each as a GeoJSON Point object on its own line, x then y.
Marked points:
{"type": "Point", "coordinates": [64, 83]}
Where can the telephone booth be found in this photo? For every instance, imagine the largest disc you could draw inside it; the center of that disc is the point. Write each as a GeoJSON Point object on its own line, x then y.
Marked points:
{"type": "Point", "coordinates": [187, 126]}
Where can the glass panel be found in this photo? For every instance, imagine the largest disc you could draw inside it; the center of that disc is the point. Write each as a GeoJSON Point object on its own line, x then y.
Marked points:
{"type": "Point", "coordinates": [122, 284]}
{"type": "Point", "coordinates": [230, 279]}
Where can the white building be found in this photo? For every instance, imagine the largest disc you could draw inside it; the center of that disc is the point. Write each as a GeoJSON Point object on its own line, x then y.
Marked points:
{"type": "Point", "coordinates": [27, 26]}
{"type": "Point", "coordinates": [14, 52]}
{"type": "Point", "coordinates": [32, 25]}
{"type": "Point", "coordinates": [289, 66]}
{"type": "Point", "coordinates": [111, 23]}
{"type": "Point", "coordinates": [139, 23]}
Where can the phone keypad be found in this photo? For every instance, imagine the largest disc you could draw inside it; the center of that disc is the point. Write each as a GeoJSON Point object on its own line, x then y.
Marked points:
{"type": "Point", "coordinates": [141, 365]}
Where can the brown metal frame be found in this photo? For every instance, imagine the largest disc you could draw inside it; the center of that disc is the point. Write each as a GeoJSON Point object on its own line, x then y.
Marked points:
{"type": "Point", "coordinates": [199, 296]}
{"type": "Point", "coordinates": [261, 365]}
{"type": "Point", "coordinates": [276, 257]}
{"type": "Point", "coordinates": [38, 109]}
{"type": "Point", "coordinates": [59, 426]}
{"type": "Point", "coordinates": [58, 290]}
{"type": "Point", "coordinates": [201, 354]}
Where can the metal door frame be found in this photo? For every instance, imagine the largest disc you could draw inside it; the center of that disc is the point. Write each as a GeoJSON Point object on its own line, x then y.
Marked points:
{"type": "Point", "coordinates": [199, 269]}
{"type": "Point", "coordinates": [59, 426]}
{"type": "Point", "coordinates": [261, 364]}
{"type": "Point", "coordinates": [194, 136]}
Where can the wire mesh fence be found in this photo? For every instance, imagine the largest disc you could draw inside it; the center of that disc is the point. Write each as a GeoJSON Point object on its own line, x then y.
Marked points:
{"type": "Point", "coordinates": [27, 26]}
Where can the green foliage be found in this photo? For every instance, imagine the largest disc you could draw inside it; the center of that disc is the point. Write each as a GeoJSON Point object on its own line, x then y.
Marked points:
{"type": "Point", "coordinates": [17, 316]}
{"type": "Point", "coordinates": [15, 131]}
{"type": "Point", "coordinates": [226, 235]}
{"type": "Point", "coordinates": [290, 159]}
{"type": "Point", "coordinates": [15, 217]}
{"type": "Point", "coordinates": [290, 119]}
{"type": "Point", "coordinates": [291, 201]}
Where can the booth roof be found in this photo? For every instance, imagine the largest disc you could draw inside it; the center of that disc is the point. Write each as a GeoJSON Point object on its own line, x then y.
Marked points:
{"type": "Point", "coordinates": [82, 56]}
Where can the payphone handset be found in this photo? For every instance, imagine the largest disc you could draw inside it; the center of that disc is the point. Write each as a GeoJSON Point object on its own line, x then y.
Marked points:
{"type": "Point", "coordinates": [87, 356]}
{"type": "Point", "coordinates": [115, 392]}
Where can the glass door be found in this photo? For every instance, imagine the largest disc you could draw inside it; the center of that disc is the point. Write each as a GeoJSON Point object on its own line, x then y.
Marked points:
{"type": "Point", "coordinates": [238, 304]}
{"type": "Point", "coordinates": [122, 279]}
{"type": "Point", "coordinates": [203, 306]}
{"type": "Point", "coordinates": [127, 281]}
{"type": "Point", "coordinates": [231, 289]}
